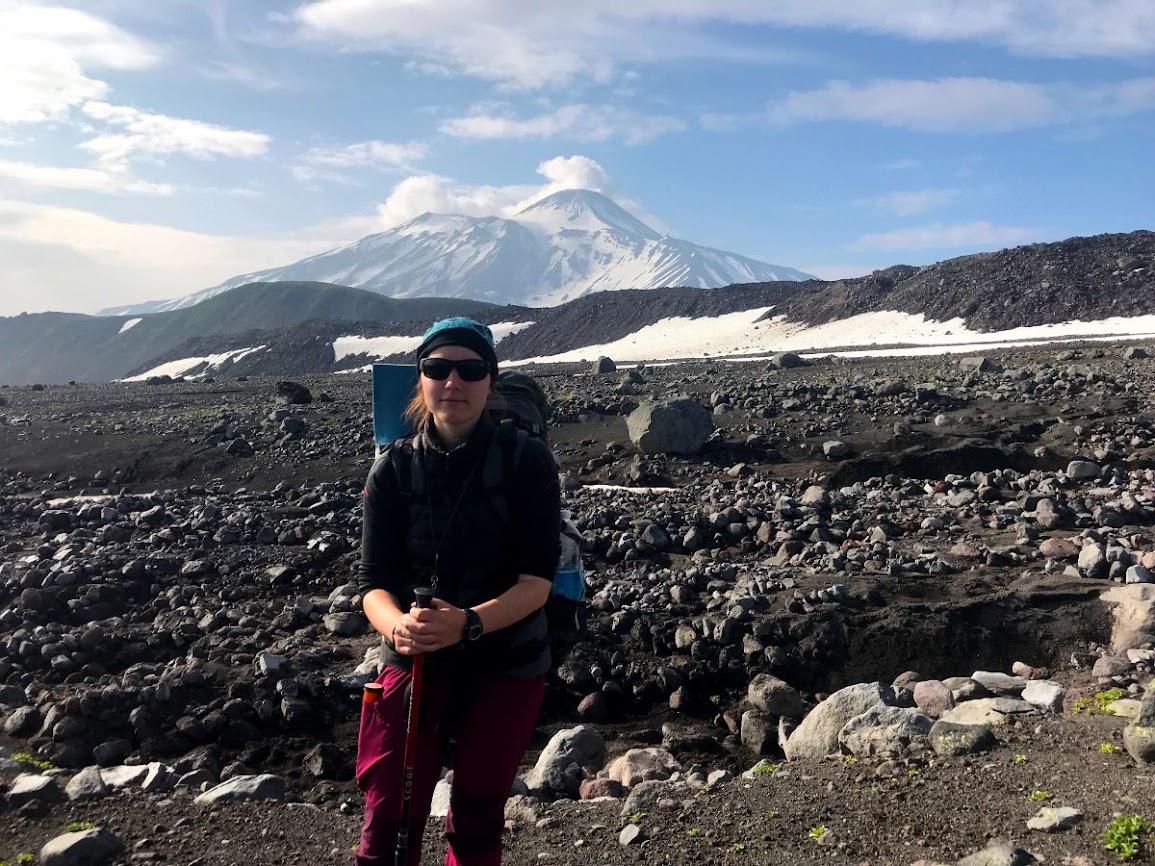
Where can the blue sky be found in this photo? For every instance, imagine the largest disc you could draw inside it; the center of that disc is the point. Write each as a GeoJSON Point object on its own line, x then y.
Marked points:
{"type": "Point", "coordinates": [150, 148]}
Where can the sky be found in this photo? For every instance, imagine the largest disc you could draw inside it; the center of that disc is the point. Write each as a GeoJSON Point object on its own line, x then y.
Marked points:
{"type": "Point", "coordinates": [151, 149]}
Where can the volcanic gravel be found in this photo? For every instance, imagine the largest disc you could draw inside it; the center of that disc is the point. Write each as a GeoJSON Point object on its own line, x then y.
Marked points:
{"type": "Point", "coordinates": [176, 592]}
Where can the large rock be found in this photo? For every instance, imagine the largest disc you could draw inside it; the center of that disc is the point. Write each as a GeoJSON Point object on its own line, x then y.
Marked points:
{"type": "Point", "coordinates": [293, 394]}
{"type": "Point", "coordinates": [949, 739]}
{"type": "Point", "coordinates": [1139, 738]}
{"type": "Point", "coordinates": [93, 847]}
{"type": "Point", "coordinates": [29, 787]}
{"type": "Point", "coordinates": [980, 364]}
{"type": "Point", "coordinates": [999, 854]}
{"type": "Point", "coordinates": [679, 426]}
{"type": "Point", "coordinates": [1133, 611]}
{"type": "Point", "coordinates": [88, 784]}
{"type": "Point", "coordinates": [559, 770]}
{"type": "Point", "coordinates": [885, 732]}
{"type": "Point", "coordinates": [1083, 470]}
{"type": "Point", "coordinates": [642, 765]}
{"type": "Point", "coordinates": [788, 361]}
{"type": "Point", "coordinates": [758, 732]}
{"type": "Point", "coordinates": [262, 787]}
{"type": "Point", "coordinates": [1047, 695]}
{"type": "Point", "coordinates": [933, 698]}
{"type": "Point", "coordinates": [23, 722]}
{"type": "Point", "coordinates": [817, 736]}
{"type": "Point", "coordinates": [775, 697]}
{"type": "Point", "coordinates": [1050, 819]}
{"type": "Point", "coordinates": [988, 711]}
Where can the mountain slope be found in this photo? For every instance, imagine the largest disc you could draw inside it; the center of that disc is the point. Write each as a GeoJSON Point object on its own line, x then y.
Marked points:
{"type": "Point", "coordinates": [59, 347]}
{"type": "Point", "coordinates": [567, 245]}
{"type": "Point", "coordinates": [1086, 278]}
{"type": "Point", "coordinates": [318, 327]}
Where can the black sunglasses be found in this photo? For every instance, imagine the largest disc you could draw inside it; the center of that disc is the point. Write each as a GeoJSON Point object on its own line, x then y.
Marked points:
{"type": "Point", "coordinates": [469, 370]}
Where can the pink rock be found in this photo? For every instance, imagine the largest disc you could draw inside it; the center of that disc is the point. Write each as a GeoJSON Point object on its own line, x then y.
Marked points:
{"type": "Point", "coordinates": [933, 698]}
{"type": "Point", "coordinates": [591, 789]}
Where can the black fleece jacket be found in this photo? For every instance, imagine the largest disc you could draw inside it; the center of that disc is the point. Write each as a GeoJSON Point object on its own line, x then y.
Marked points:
{"type": "Point", "coordinates": [454, 532]}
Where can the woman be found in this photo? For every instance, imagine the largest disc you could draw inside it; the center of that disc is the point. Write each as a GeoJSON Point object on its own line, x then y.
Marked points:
{"type": "Point", "coordinates": [484, 638]}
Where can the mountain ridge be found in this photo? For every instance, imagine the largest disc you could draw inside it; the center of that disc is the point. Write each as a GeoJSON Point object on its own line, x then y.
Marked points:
{"type": "Point", "coordinates": [1088, 278]}
{"type": "Point", "coordinates": [563, 246]}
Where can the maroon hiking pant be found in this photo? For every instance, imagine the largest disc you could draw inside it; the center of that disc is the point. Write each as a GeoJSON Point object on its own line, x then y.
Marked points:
{"type": "Point", "coordinates": [494, 730]}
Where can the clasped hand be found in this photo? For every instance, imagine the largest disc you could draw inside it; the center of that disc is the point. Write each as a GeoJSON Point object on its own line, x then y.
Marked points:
{"type": "Point", "coordinates": [428, 629]}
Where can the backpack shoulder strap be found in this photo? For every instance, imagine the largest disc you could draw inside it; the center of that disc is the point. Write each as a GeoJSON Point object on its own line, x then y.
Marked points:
{"type": "Point", "coordinates": [500, 469]}
{"type": "Point", "coordinates": [405, 457]}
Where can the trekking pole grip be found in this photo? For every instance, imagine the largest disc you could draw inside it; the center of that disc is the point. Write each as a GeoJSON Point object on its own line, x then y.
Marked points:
{"type": "Point", "coordinates": [424, 595]}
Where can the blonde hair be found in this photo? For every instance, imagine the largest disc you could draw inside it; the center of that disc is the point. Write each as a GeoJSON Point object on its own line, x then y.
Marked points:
{"type": "Point", "coordinates": [416, 412]}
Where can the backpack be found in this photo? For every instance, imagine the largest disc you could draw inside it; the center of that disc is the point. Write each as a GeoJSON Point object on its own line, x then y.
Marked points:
{"type": "Point", "coordinates": [517, 400]}
{"type": "Point", "coordinates": [519, 408]}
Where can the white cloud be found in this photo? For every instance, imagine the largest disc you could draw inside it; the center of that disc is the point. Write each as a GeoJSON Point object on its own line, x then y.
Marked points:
{"type": "Point", "coordinates": [331, 163]}
{"type": "Point", "coordinates": [436, 194]}
{"type": "Point", "coordinates": [252, 77]}
{"type": "Point", "coordinates": [961, 105]}
{"type": "Point", "coordinates": [946, 105]}
{"type": "Point", "coordinates": [537, 44]}
{"type": "Point", "coordinates": [579, 122]}
{"type": "Point", "coordinates": [77, 260]}
{"type": "Point", "coordinates": [939, 236]}
{"type": "Point", "coordinates": [46, 53]}
{"type": "Point", "coordinates": [911, 202]}
{"type": "Point", "coordinates": [160, 135]}
{"type": "Point", "coordinates": [87, 179]}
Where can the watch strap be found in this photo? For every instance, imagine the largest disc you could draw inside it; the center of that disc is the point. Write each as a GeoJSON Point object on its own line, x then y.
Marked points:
{"type": "Point", "coordinates": [473, 626]}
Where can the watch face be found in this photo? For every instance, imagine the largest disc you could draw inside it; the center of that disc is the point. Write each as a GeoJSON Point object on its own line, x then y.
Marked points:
{"type": "Point", "coordinates": [472, 625]}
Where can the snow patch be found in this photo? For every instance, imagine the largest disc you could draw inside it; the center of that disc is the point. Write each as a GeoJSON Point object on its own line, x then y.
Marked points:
{"type": "Point", "coordinates": [376, 347]}
{"type": "Point", "coordinates": [384, 347]}
{"type": "Point", "coordinates": [740, 335]}
{"type": "Point", "coordinates": [131, 323]}
{"type": "Point", "coordinates": [203, 366]}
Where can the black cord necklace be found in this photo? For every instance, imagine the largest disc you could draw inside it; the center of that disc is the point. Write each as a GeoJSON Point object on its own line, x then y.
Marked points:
{"type": "Point", "coordinates": [448, 523]}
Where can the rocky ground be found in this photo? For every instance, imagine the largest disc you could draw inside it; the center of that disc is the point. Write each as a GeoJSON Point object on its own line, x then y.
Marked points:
{"type": "Point", "coordinates": [175, 596]}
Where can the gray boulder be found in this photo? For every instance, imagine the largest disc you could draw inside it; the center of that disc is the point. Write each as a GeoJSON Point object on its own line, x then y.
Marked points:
{"type": "Point", "coordinates": [999, 854]}
{"type": "Point", "coordinates": [788, 361]}
{"type": "Point", "coordinates": [604, 365]}
{"type": "Point", "coordinates": [576, 748]}
{"type": "Point", "coordinates": [980, 364]}
{"type": "Point", "coordinates": [775, 697]}
{"type": "Point", "coordinates": [679, 426]}
{"type": "Point", "coordinates": [886, 732]}
{"type": "Point", "coordinates": [817, 736]}
{"type": "Point", "coordinates": [1083, 470]}
{"type": "Point", "coordinates": [1050, 819]}
{"type": "Point", "coordinates": [88, 784]}
{"type": "Point", "coordinates": [262, 787]}
{"type": "Point", "coordinates": [949, 739]}
{"type": "Point", "coordinates": [93, 847]}
{"type": "Point", "coordinates": [29, 787]}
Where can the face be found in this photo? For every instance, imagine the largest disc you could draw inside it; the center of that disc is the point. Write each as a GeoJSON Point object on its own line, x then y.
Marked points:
{"type": "Point", "coordinates": [455, 403]}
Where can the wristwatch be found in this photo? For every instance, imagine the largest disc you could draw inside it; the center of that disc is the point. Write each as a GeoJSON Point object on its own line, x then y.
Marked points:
{"type": "Point", "coordinates": [473, 628]}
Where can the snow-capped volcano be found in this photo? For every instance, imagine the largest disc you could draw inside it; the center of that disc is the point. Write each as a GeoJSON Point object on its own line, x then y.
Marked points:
{"type": "Point", "coordinates": [562, 247]}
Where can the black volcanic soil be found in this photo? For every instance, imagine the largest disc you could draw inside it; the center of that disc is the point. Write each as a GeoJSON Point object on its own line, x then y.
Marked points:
{"type": "Point", "coordinates": [143, 438]}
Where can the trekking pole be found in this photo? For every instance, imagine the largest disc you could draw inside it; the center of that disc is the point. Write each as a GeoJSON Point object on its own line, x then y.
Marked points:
{"type": "Point", "coordinates": [424, 599]}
